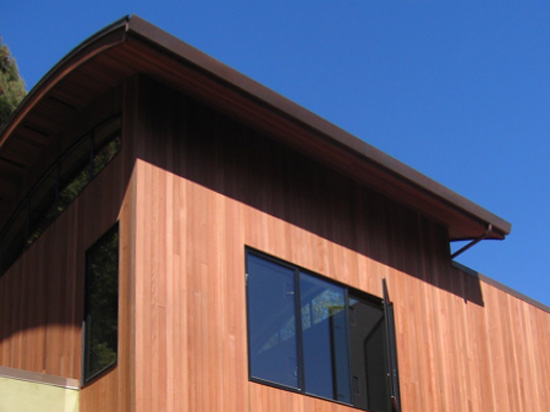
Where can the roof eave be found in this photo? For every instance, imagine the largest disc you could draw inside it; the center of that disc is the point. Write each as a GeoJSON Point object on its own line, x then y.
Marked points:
{"type": "Point", "coordinates": [312, 134]}
{"type": "Point", "coordinates": [340, 138]}
{"type": "Point", "coordinates": [106, 38]}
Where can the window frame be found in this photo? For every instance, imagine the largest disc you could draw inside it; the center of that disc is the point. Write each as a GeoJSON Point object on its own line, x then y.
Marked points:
{"type": "Point", "coordinates": [389, 350]}
{"type": "Point", "coordinates": [86, 334]}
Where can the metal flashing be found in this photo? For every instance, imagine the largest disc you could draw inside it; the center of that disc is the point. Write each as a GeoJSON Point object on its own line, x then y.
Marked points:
{"type": "Point", "coordinates": [36, 377]}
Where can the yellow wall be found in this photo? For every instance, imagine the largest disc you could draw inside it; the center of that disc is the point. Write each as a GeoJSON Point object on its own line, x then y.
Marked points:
{"type": "Point", "coordinates": [23, 396]}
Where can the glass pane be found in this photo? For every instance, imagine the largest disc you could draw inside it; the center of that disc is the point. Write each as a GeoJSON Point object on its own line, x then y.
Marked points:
{"type": "Point", "coordinates": [271, 322]}
{"type": "Point", "coordinates": [74, 174]}
{"type": "Point", "coordinates": [107, 131]}
{"type": "Point", "coordinates": [105, 154]}
{"type": "Point", "coordinates": [324, 327]}
{"type": "Point", "coordinates": [367, 343]}
{"type": "Point", "coordinates": [14, 239]}
{"type": "Point", "coordinates": [43, 210]}
{"type": "Point", "coordinates": [102, 305]}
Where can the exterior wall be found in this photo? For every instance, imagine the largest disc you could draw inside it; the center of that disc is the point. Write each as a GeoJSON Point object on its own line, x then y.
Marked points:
{"type": "Point", "coordinates": [207, 187]}
{"type": "Point", "coordinates": [114, 391]}
{"type": "Point", "coordinates": [191, 189]}
{"type": "Point", "coordinates": [41, 294]}
{"type": "Point", "coordinates": [22, 392]}
{"type": "Point", "coordinates": [24, 396]}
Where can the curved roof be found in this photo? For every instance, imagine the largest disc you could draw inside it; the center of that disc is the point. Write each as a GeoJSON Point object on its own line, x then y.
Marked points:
{"type": "Point", "coordinates": [132, 45]}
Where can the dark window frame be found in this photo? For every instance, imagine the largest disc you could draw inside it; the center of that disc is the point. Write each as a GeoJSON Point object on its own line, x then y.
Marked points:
{"type": "Point", "coordinates": [87, 377]}
{"type": "Point", "coordinates": [389, 349]}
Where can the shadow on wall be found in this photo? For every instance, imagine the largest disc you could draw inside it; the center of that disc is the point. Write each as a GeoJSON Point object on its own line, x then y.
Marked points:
{"type": "Point", "coordinates": [206, 147]}
{"type": "Point", "coordinates": [197, 143]}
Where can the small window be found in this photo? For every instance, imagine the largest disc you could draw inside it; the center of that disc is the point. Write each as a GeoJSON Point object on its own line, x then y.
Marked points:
{"type": "Point", "coordinates": [60, 185]}
{"type": "Point", "coordinates": [101, 305]}
{"type": "Point", "coordinates": [320, 338]}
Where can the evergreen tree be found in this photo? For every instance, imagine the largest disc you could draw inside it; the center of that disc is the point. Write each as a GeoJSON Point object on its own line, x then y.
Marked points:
{"type": "Point", "coordinates": [12, 86]}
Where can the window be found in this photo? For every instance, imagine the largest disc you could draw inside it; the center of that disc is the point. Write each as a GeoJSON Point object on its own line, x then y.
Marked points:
{"type": "Point", "coordinates": [65, 179]}
{"type": "Point", "coordinates": [320, 338]}
{"type": "Point", "coordinates": [101, 305]}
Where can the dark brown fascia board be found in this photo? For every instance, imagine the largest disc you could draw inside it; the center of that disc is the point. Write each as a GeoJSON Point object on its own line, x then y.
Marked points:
{"type": "Point", "coordinates": [135, 27]}
{"type": "Point", "coordinates": [159, 38]}
{"type": "Point", "coordinates": [106, 38]}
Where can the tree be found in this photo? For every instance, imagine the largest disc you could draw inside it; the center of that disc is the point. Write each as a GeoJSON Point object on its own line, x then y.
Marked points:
{"type": "Point", "coordinates": [12, 86]}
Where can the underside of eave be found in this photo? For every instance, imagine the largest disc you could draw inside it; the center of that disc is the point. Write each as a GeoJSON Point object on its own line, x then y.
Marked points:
{"type": "Point", "coordinates": [298, 132]}
{"type": "Point", "coordinates": [35, 127]}
{"type": "Point", "coordinates": [132, 45]}
{"type": "Point", "coordinates": [106, 38]}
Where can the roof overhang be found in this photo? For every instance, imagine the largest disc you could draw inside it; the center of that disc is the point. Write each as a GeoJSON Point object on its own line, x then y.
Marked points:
{"type": "Point", "coordinates": [132, 45]}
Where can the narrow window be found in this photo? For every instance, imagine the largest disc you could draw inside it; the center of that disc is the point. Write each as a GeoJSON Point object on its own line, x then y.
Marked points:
{"type": "Point", "coordinates": [101, 305]}
{"type": "Point", "coordinates": [318, 337]}
{"type": "Point", "coordinates": [272, 323]}
{"type": "Point", "coordinates": [325, 341]}
{"type": "Point", "coordinates": [368, 364]}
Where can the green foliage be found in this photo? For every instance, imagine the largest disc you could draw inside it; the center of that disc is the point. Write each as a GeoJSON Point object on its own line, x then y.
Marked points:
{"type": "Point", "coordinates": [12, 86]}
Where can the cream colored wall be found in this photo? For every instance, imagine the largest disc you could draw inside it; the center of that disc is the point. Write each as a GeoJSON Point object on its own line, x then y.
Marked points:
{"type": "Point", "coordinates": [23, 396]}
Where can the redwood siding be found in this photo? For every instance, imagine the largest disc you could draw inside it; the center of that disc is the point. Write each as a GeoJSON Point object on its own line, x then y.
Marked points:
{"type": "Point", "coordinates": [191, 189]}
{"type": "Point", "coordinates": [208, 186]}
{"type": "Point", "coordinates": [41, 294]}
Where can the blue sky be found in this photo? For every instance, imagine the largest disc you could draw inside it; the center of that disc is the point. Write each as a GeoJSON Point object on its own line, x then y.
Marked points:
{"type": "Point", "coordinates": [459, 90]}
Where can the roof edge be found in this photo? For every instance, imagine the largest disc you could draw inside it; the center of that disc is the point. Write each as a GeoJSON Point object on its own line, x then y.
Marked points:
{"type": "Point", "coordinates": [134, 26]}
{"type": "Point", "coordinates": [254, 90]}
{"type": "Point", "coordinates": [107, 37]}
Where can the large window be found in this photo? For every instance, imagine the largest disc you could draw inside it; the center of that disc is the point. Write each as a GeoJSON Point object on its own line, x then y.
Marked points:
{"type": "Point", "coordinates": [318, 337]}
{"type": "Point", "coordinates": [101, 305]}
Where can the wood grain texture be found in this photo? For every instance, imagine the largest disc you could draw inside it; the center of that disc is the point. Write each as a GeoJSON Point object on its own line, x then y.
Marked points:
{"type": "Point", "coordinates": [192, 188]}
{"type": "Point", "coordinates": [208, 186]}
{"type": "Point", "coordinates": [41, 294]}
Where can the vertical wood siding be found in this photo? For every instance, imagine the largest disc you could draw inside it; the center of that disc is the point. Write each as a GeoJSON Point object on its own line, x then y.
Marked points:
{"type": "Point", "coordinates": [41, 294]}
{"type": "Point", "coordinates": [192, 189]}
{"type": "Point", "coordinates": [207, 187]}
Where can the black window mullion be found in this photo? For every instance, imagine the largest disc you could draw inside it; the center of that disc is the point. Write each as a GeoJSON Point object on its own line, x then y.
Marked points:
{"type": "Point", "coordinates": [2, 252]}
{"type": "Point", "coordinates": [57, 179]}
{"type": "Point", "coordinates": [91, 169]}
{"type": "Point", "coordinates": [391, 348]}
{"type": "Point", "coordinates": [28, 220]}
{"type": "Point", "coordinates": [299, 337]}
{"type": "Point", "coordinates": [348, 338]}
{"type": "Point", "coordinates": [86, 323]}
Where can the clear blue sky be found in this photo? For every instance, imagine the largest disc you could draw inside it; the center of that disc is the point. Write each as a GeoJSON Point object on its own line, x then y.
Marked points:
{"type": "Point", "coordinates": [459, 90]}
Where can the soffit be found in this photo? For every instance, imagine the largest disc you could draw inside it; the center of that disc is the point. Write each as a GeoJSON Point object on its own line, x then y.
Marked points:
{"type": "Point", "coordinates": [132, 46]}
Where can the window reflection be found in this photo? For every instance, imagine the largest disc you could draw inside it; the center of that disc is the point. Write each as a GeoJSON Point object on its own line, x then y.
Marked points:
{"type": "Point", "coordinates": [101, 317]}
{"type": "Point", "coordinates": [316, 336]}
{"type": "Point", "coordinates": [58, 188]}
{"type": "Point", "coordinates": [271, 322]}
{"type": "Point", "coordinates": [324, 328]}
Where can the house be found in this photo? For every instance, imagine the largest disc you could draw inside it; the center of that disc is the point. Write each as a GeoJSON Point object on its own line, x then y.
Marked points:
{"type": "Point", "coordinates": [177, 237]}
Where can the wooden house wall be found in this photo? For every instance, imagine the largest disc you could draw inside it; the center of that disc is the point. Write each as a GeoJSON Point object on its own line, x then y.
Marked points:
{"type": "Point", "coordinates": [41, 294]}
{"type": "Point", "coordinates": [207, 186]}
{"type": "Point", "coordinates": [203, 188]}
